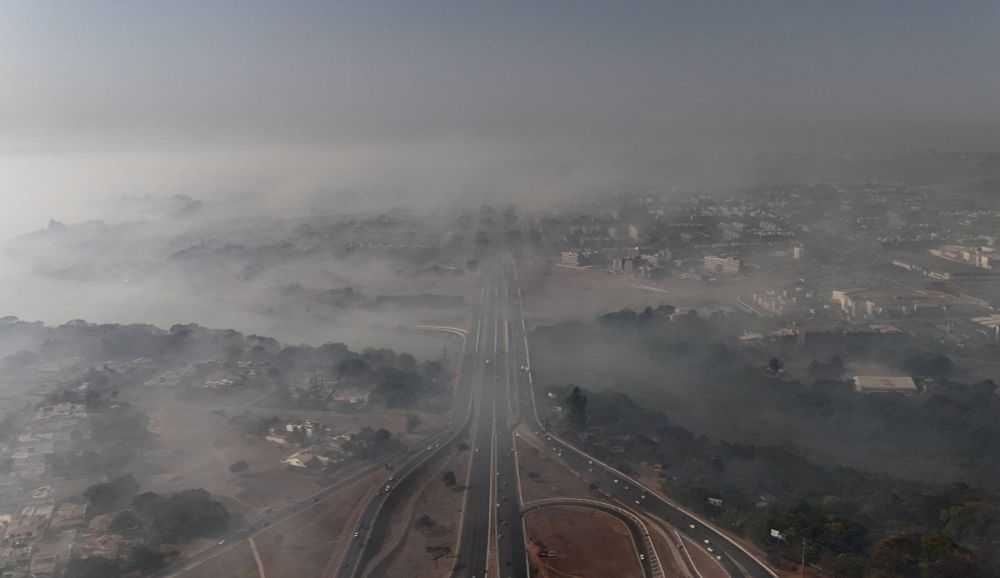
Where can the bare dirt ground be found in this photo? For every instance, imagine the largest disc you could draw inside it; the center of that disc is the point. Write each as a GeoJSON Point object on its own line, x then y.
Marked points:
{"type": "Point", "coordinates": [553, 294]}
{"type": "Point", "coordinates": [309, 543]}
{"type": "Point", "coordinates": [589, 544]}
{"type": "Point", "coordinates": [413, 553]}
{"type": "Point", "coordinates": [196, 447]}
{"type": "Point", "coordinates": [553, 480]}
{"type": "Point", "coordinates": [236, 562]}
{"type": "Point", "coordinates": [305, 545]}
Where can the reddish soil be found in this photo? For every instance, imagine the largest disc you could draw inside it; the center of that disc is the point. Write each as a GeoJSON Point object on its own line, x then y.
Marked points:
{"type": "Point", "coordinates": [589, 544]}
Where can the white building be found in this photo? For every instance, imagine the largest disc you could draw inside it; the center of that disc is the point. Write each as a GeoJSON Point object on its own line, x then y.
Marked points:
{"type": "Point", "coordinates": [722, 264]}
{"type": "Point", "coordinates": [884, 384]}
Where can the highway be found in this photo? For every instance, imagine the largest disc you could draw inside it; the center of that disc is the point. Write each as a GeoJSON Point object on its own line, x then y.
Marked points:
{"type": "Point", "coordinates": [372, 525]}
{"type": "Point", "coordinates": [238, 535]}
{"type": "Point", "coordinates": [491, 515]}
{"type": "Point", "coordinates": [496, 386]}
{"type": "Point", "coordinates": [737, 561]}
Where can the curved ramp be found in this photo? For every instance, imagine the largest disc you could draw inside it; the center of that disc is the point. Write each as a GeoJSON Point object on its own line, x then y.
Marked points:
{"type": "Point", "coordinates": [651, 567]}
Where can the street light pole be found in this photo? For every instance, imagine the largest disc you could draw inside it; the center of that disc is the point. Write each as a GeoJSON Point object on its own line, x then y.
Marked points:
{"type": "Point", "coordinates": [802, 566]}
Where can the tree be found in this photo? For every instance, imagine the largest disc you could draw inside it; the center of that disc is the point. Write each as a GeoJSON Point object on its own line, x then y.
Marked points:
{"type": "Point", "coordinates": [93, 568]}
{"type": "Point", "coordinates": [239, 466]}
{"type": "Point", "coordinates": [126, 524]}
{"type": "Point", "coordinates": [577, 403]}
{"type": "Point", "coordinates": [449, 478]}
{"type": "Point", "coordinates": [145, 560]}
{"type": "Point", "coordinates": [107, 496]}
{"type": "Point", "coordinates": [184, 515]}
{"type": "Point", "coordinates": [775, 365]}
{"type": "Point", "coordinates": [412, 422]}
{"type": "Point", "coordinates": [425, 522]}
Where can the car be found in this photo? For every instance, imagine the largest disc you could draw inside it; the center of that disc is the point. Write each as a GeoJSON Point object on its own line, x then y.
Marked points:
{"type": "Point", "coordinates": [616, 480]}
{"type": "Point", "coordinates": [498, 504]}
{"type": "Point", "coordinates": [717, 557]}
{"type": "Point", "coordinates": [642, 556]}
{"type": "Point", "coordinates": [477, 450]}
{"type": "Point", "coordinates": [221, 542]}
{"type": "Point", "coordinates": [627, 488]}
{"type": "Point", "coordinates": [590, 462]}
{"type": "Point", "coordinates": [692, 526]}
{"type": "Point", "coordinates": [710, 549]}
{"type": "Point", "coordinates": [357, 534]}
{"type": "Point", "coordinates": [707, 542]}
{"type": "Point", "coordinates": [637, 501]}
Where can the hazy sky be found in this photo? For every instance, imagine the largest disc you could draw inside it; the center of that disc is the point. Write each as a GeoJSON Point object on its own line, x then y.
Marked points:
{"type": "Point", "coordinates": [109, 97]}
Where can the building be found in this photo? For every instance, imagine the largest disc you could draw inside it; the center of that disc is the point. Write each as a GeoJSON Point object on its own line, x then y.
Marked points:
{"type": "Point", "coordinates": [722, 264]}
{"type": "Point", "coordinates": [569, 259]}
{"type": "Point", "coordinates": [305, 459]}
{"type": "Point", "coordinates": [859, 304]}
{"type": "Point", "coordinates": [979, 257]}
{"type": "Point", "coordinates": [101, 546]}
{"type": "Point", "coordinates": [352, 396]}
{"type": "Point", "coordinates": [884, 384]}
{"type": "Point", "coordinates": [68, 515]}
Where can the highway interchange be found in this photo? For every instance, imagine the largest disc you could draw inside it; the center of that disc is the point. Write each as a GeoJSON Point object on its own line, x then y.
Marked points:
{"type": "Point", "coordinates": [495, 401]}
{"type": "Point", "coordinates": [496, 387]}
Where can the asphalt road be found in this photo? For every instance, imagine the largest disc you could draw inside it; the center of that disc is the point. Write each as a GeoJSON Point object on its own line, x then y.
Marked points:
{"type": "Point", "coordinates": [372, 524]}
{"type": "Point", "coordinates": [238, 535]}
{"type": "Point", "coordinates": [491, 513]}
{"type": "Point", "coordinates": [736, 561]}
{"type": "Point", "coordinates": [512, 558]}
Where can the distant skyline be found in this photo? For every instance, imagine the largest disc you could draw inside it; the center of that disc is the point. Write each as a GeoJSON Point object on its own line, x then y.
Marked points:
{"type": "Point", "coordinates": [137, 97]}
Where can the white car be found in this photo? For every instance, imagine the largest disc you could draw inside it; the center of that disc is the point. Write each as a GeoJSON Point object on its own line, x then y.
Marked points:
{"type": "Point", "coordinates": [691, 526]}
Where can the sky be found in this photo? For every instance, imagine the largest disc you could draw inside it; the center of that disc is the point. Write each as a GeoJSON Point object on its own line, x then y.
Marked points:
{"type": "Point", "coordinates": [434, 99]}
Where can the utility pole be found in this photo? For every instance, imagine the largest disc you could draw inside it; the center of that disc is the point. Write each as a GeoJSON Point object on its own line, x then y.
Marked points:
{"type": "Point", "coordinates": [802, 567]}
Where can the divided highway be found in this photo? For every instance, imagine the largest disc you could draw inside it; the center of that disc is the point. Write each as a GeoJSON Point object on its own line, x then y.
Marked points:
{"type": "Point", "coordinates": [491, 515]}
{"type": "Point", "coordinates": [500, 396]}
{"type": "Point", "coordinates": [738, 561]}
